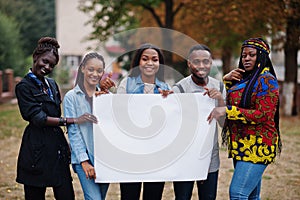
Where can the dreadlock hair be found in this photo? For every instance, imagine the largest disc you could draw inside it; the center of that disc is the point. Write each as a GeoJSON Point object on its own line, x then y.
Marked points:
{"type": "Point", "coordinates": [135, 70]}
{"type": "Point", "coordinates": [46, 44]}
{"type": "Point", "coordinates": [262, 61]}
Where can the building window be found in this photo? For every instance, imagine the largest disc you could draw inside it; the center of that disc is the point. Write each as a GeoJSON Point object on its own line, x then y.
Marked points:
{"type": "Point", "coordinates": [72, 61]}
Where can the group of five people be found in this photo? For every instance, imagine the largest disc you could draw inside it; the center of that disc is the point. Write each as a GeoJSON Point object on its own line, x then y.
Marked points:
{"type": "Point", "coordinates": [247, 106]}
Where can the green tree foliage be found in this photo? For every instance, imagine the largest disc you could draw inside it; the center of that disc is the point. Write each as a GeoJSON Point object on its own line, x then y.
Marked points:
{"type": "Point", "coordinates": [222, 24]}
{"type": "Point", "coordinates": [36, 18]}
{"type": "Point", "coordinates": [108, 17]}
{"type": "Point", "coordinates": [225, 24]}
{"type": "Point", "coordinates": [23, 23]}
{"type": "Point", "coordinates": [11, 55]}
{"type": "Point", "coordinates": [111, 17]}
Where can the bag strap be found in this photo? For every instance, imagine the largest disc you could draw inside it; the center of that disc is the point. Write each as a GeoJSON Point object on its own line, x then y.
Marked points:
{"type": "Point", "coordinates": [221, 87]}
{"type": "Point", "coordinates": [180, 88]}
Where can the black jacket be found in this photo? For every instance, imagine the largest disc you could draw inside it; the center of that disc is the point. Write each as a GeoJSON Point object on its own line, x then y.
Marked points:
{"type": "Point", "coordinates": [44, 153]}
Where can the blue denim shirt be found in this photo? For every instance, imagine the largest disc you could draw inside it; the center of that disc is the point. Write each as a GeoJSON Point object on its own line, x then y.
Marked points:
{"type": "Point", "coordinates": [135, 85]}
{"type": "Point", "coordinates": [80, 135]}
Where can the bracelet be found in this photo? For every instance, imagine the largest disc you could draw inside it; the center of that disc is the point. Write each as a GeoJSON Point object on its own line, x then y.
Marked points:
{"type": "Point", "coordinates": [62, 121]}
{"type": "Point", "coordinates": [71, 121]}
{"type": "Point", "coordinates": [65, 121]}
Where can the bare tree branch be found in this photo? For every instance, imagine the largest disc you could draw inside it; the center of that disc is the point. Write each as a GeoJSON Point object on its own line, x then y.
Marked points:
{"type": "Point", "coordinates": [152, 11]}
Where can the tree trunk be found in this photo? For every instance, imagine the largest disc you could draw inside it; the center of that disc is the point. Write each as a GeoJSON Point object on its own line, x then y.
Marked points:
{"type": "Point", "coordinates": [288, 98]}
{"type": "Point", "coordinates": [291, 69]}
{"type": "Point", "coordinates": [168, 39]}
{"type": "Point", "coordinates": [226, 59]}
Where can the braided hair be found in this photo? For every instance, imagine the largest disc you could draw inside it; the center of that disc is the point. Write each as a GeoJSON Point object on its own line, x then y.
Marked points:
{"type": "Point", "coordinates": [80, 76]}
{"type": "Point", "coordinates": [262, 61]}
{"type": "Point", "coordinates": [46, 44]}
{"type": "Point", "coordinates": [86, 58]}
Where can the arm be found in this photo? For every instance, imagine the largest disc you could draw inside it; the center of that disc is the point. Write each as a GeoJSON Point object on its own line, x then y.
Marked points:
{"type": "Point", "coordinates": [232, 77]}
{"type": "Point", "coordinates": [220, 98]}
{"type": "Point", "coordinates": [215, 94]}
{"type": "Point", "coordinates": [30, 108]}
{"type": "Point", "coordinates": [107, 83]}
{"type": "Point", "coordinates": [76, 141]}
{"type": "Point", "coordinates": [266, 100]}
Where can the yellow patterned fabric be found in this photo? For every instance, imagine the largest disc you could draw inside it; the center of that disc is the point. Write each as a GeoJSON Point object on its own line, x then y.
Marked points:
{"type": "Point", "coordinates": [252, 135]}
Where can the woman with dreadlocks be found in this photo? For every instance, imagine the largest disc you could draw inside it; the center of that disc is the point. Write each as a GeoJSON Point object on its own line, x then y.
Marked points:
{"type": "Point", "coordinates": [44, 155]}
{"type": "Point", "coordinates": [251, 129]}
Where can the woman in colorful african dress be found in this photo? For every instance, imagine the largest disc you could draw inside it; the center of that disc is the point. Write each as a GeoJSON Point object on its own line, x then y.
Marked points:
{"type": "Point", "coordinates": [251, 130]}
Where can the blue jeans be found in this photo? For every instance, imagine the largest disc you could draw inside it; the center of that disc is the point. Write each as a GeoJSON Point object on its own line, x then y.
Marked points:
{"type": "Point", "coordinates": [91, 190]}
{"type": "Point", "coordinates": [207, 189]}
{"type": "Point", "coordinates": [246, 181]}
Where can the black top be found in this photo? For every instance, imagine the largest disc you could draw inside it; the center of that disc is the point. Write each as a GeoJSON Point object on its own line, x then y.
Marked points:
{"type": "Point", "coordinates": [44, 153]}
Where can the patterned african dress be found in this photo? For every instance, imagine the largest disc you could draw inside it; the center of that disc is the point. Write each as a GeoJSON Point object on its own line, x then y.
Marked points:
{"type": "Point", "coordinates": [252, 135]}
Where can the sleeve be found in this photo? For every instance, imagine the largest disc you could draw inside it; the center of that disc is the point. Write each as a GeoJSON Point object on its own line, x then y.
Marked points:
{"type": "Point", "coordinates": [265, 103]}
{"type": "Point", "coordinates": [122, 87]}
{"type": "Point", "coordinates": [227, 84]}
{"type": "Point", "coordinates": [168, 86]}
{"type": "Point", "coordinates": [30, 108]}
{"type": "Point", "coordinates": [77, 143]}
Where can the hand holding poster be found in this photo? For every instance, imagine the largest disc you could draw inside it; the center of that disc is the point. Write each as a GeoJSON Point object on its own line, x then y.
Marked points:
{"type": "Point", "coordinates": [151, 138]}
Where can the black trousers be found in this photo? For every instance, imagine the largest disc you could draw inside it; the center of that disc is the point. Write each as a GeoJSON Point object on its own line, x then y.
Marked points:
{"type": "Point", "coordinates": [151, 190]}
{"type": "Point", "coordinates": [207, 189]}
{"type": "Point", "coordinates": [63, 192]}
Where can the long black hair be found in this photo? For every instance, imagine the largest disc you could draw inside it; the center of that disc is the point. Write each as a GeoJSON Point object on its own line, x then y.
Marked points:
{"type": "Point", "coordinates": [262, 61]}
{"type": "Point", "coordinates": [135, 70]}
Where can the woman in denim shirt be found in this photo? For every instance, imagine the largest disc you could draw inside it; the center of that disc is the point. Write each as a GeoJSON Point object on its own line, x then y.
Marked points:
{"type": "Point", "coordinates": [76, 102]}
{"type": "Point", "coordinates": [145, 77]}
